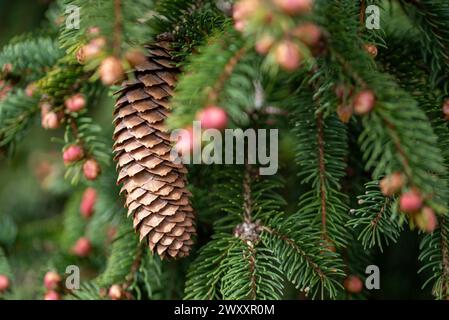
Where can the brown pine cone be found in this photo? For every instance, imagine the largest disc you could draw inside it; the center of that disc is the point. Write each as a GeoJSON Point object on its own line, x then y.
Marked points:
{"type": "Point", "coordinates": [154, 186]}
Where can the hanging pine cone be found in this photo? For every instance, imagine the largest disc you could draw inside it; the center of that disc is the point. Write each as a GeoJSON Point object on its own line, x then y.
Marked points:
{"type": "Point", "coordinates": [154, 186]}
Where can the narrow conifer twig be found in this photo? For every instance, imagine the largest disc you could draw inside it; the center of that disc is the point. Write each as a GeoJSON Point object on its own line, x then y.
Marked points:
{"type": "Point", "coordinates": [435, 29]}
{"type": "Point", "coordinates": [362, 11]}
{"type": "Point", "coordinates": [321, 166]}
{"type": "Point", "coordinates": [301, 252]}
{"type": "Point", "coordinates": [118, 27]}
{"type": "Point", "coordinates": [74, 127]}
{"type": "Point", "coordinates": [247, 210]}
{"type": "Point", "coordinates": [252, 269]}
{"type": "Point", "coordinates": [134, 267]}
{"type": "Point", "coordinates": [221, 259]}
{"type": "Point", "coordinates": [393, 132]}
{"type": "Point", "coordinates": [348, 68]}
{"type": "Point", "coordinates": [247, 199]}
{"type": "Point", "coordinates": [397, 143]}
{"type": "Point", "coordinates": [445, 255]}
{"type": "Point", "coordinates": [227, 71]}
{"type": "Point", "coordinates": [322, 174]}
{"type": "Point", "coordinates": [19, 120]}
{"type": "Point", "coordinates": [75, 131]}
{"type": "Point", "coordinates": [376, 220]}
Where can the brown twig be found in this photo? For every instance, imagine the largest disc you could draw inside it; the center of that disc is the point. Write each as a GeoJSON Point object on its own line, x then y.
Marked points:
{"type": "Point", "coordinates": [227, 71]}
{"type": "Point", "coordinates": [376, 220]}
{"type": "Point", "coordinates": [118, 26]}
{"type": "Point", "coordinates": [322, 173]}
{"type": "Point", "coordinates": [445, 254]}
{"type": "Point", "coordinates": [252, 268]}
{"type": "Point", "coordinates": [247, 200]}
{"type": "Point", "coordinates": [362, 11]}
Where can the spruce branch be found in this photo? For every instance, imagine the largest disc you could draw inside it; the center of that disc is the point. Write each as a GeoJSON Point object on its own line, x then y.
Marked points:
{"type": "Point", "coordinates": [311, 267]}
{"type": "Point", "coordinates": [222, 72]}
{"type": "Point", "coordinates": [190, 22]}
{"type": "Point", "coordinates": [430, 18]}
{"type": "Point", "coordinates": [5, 268]}
{"type": "Point", "coordinates": [373, 221]}
{"type": "Point", "coordinates": [17, 113]}
{"type": "Point", "coordinates": [322, 172]}
{"type": "Point", "coordinates": [31, 57]}
{"type": "Point", "coordinates": [322, 146]}
{"type": "Point", "coordinates": [434, 255]}
{"type": "Point", "coordinates": [122, 259]}
{"type": "Point", "coordinates": [224, 76]}
{"type": "Point", "coordinates": [414, 78]}
{"type": "Point", "coordinates": [388, 143]}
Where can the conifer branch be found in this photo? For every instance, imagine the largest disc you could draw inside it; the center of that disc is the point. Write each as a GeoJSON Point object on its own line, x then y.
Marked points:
{"type": "Point", "coordinates": [445, 255]}
{"type": "Point", "coordinates": [226, 73]}
{"type": "Point", "coordinates": [321, 148]}
{"type": "Point", "coordinates": [297, 249]}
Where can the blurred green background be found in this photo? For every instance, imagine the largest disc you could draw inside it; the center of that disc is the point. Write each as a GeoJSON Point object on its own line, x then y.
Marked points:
{"type": "Point", "coordinates": [31, 199]}
{"type": "Point", "coordinates": [34, 192]}
{"type": "Point", "coordinates": [24, 204]}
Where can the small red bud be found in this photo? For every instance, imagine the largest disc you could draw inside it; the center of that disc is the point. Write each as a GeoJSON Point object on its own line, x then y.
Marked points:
{"type": "Point", "coordinates": [88, 202]}
{"type": "Point", "coordinates": [411, 201]}
{"type": "Point", "coordinates": [52, 295]}
{"type": "Point", "coordinates": [391, 184]}
{"type": "Point", "coordinates": [240, 25]}
{"type": "Point", "coordinates": [264, 44]}
{"type": "Point", "coordinates": [445, 109]}
{"type": "Point", "coordinates": [30, 89]}
{"type": "Point", "coordinates": [288, 55]}
{"type": "Point", "coordinates": [45, 108]}
{"type": "Point", "coordinates": [91, 169]}
{"type": "Point", "coordinates": [115, 292]}
{"type": "Point", "coordinates": [371, 49]}
{"type": "Point", "coordinates": [93, 31]}
{"type": "Point", "coordinates": [344, 112]}
{"type": "Point", "coordinates": [293, 7]}
{"type": "Point", "coordinates": [5, 88]}
{"type": "Point", "coordinates": [308, 33]}
{"type": "Point", "coordinates": [244, 8]}
{"type": "Point", "coordinates": [52, 280]}
{"type": "Point", "coordinates": [213, 117]}
{"type": "Point", "coordinates": [4, 283]}
{"type": "Point", "coordinates": [364, 102]}
{"type": "Point", "coordinates": [75, 103]}
{"type": "Point", "coordinates": [50, 121]}
{"type": "Point", "coordinates": [72, 154]}
{"type": "Point", "coordinates": [82, 247]}
{"type": "Point", "coordinates": [353, 284]}
{"type": "Point", "coordinates": [426, 220]}
{"type": "Point", "coordinates": [111, 70]}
